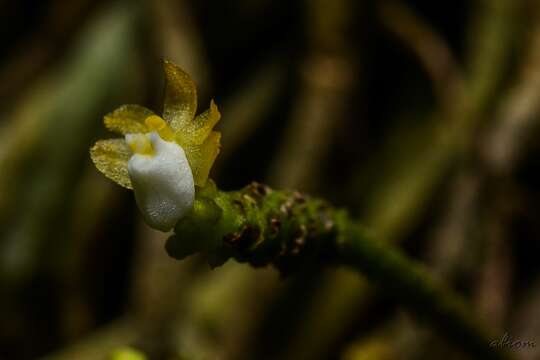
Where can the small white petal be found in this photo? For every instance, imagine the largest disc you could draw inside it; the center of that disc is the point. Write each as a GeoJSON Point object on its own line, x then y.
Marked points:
{"type": "Point", "coordinates": [162, 181]}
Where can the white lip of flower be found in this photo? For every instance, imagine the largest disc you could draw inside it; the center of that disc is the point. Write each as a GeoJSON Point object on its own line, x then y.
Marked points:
{"type": "Point", "coordinates": [162, 179]}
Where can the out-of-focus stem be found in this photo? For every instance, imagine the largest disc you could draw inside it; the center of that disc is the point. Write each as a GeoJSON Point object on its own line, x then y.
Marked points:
{"type": "Point", "coordinates": [45, 175]}
{"type": "Point", "coordinates": [245, 109]}
{"type": "Point", "coordinates": [518, 112]}
{"type": "Point", "coordinates": [178, 37]}
{"type": "Point", "coordinates": [326, 79]}
{"type": "Point", "coordinates": [403, 193]}
{"type": "Point", "coordinates": [430, 49]}
{"type": "Point", "coordinates": [317, 114]}
{"type": "Point", "coordinates": [23, 65]}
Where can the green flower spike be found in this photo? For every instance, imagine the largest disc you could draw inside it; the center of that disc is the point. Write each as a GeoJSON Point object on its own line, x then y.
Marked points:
{"type": "Point", "coordinates": [161, 159]}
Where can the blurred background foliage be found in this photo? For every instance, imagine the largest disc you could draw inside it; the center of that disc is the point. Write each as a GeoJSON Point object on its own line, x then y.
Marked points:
{"type": "Point", "coordinates": [421, 117]}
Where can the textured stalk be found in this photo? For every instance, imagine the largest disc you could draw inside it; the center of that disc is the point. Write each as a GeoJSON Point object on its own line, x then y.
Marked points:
{"type": "Point", "coordinates": [287, 229]}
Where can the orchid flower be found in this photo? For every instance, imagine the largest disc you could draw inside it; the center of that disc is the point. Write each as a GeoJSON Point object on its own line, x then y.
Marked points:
{"type": "Point", "coordinates": [163, 159]}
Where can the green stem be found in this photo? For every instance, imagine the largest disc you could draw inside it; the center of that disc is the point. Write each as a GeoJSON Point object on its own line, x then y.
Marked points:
{"type": "Point", "coordinates": [288, 230]}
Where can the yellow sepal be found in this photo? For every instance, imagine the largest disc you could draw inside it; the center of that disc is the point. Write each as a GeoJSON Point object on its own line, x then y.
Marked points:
{"type": "Point", "coordinates": [180, 102]}
{"type": "Point", "coordinates": [128, 119]}
{"type": "Point", "coordinates": [111, 157]}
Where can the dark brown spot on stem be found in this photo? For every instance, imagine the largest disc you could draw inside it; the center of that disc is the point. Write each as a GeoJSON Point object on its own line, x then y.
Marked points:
{"type": "Point", "coordinates": [275, 226]}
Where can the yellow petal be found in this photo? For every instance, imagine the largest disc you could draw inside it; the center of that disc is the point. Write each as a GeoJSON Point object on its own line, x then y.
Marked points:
{"type": "Point", "coordinates": [201, 158]}
{"type": "Point", "coordinates": [128, 119]}
{"type": "Point", "coordinates": [111, 157]}
{"type": "Point", "coordinates": [201, 127]}
{"type": "Point", "coordinates": [180, 102]}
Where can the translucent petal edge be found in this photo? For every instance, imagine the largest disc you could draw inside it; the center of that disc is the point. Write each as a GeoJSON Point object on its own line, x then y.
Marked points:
{"type": "Point", "coordinates": [202, 157]}
{"type": "Point", "coordinates": [110, 157]}
{"type": "Point", "coordinates": [180, 104]}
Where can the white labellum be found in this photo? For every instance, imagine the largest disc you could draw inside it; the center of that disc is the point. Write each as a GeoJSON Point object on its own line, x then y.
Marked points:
{"type": "Point", "coordinates": [161, 178]}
